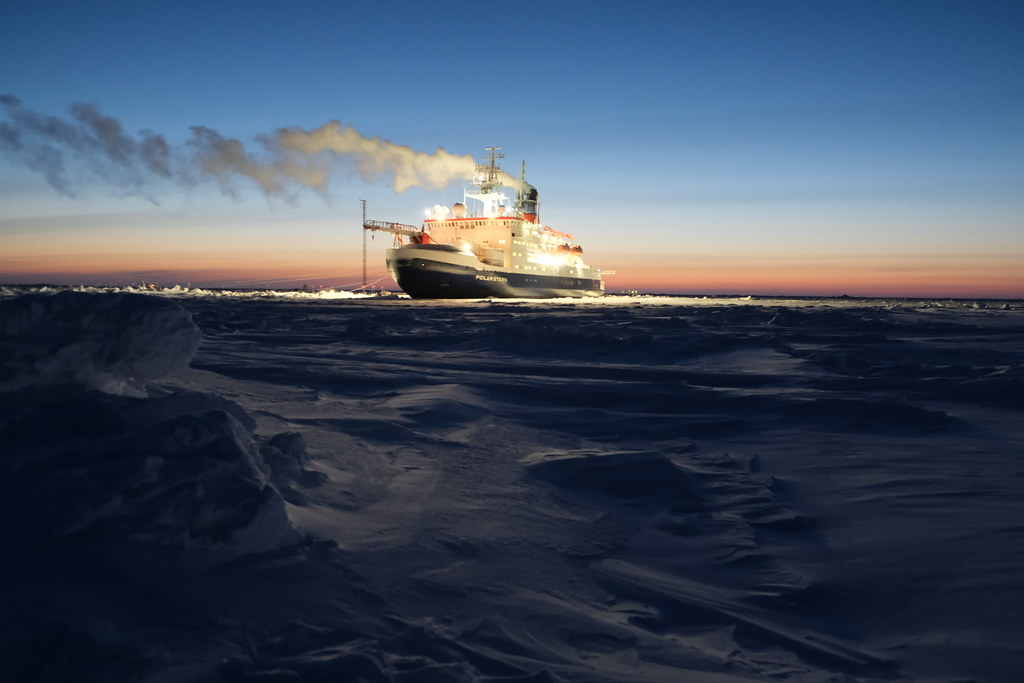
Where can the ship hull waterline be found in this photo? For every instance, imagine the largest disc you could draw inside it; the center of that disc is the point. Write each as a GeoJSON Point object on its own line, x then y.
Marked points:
{"type": "Point", "coordinates": [436, 272]}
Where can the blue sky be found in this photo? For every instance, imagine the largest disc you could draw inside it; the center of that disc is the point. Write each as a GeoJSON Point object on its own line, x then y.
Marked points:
{"type": "Point", "coordinates": [708, 142]}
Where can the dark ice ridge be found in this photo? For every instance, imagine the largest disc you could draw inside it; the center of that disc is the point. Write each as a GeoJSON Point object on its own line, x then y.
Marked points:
{"type": "Point", "coordinates": [112, 496]}
{"type": "Point", "coordinates": [500, 491]}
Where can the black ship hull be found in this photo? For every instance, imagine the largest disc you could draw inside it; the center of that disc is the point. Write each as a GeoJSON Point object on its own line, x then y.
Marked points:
{"type": "Point", "coordinates": [434, 272]}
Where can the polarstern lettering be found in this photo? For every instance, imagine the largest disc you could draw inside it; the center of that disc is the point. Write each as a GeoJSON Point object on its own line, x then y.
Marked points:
{"type": "Point", "coordinates": [491, 278]}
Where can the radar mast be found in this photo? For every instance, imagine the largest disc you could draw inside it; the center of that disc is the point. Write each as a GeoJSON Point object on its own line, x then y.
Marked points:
{"type": "Point", "coordinates": [488, 174]}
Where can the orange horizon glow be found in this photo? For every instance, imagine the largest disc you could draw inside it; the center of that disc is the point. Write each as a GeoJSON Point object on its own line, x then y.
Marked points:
{"type": "Point", "coordinates": [987, 277]}
{"type": "Point", "coordinates": [259, 259]}
{"type": "Point", "coordinates": [945, 277]}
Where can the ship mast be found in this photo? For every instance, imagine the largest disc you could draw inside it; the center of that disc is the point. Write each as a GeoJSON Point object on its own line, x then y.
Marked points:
{"type": "Point", "coordinates": [486, 176]}
{"type": "Point", "coordinates": [363, 202]}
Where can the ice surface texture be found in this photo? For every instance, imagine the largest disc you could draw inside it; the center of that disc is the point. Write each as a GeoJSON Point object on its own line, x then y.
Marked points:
{"type": "Point", "coordinates": [619, 490]}
{"type": "Point", "coordinates": [111, 342]}
{"type": "Point", "coordinates": [112, 486]}
{"type": "Point", "coordinates": [176, 479]}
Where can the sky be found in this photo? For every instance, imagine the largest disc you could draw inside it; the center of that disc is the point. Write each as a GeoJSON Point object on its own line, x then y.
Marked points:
{"type": "Point", "coordinates": [732, 147]}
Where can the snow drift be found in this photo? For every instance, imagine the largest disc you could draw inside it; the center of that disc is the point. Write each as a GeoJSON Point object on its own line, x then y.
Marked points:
{"type": "Point", "coordinates": [113, 343]}
{"type": "Point", "coordinates": [625, 490]}
{"type": "Point", "coordinates": [107, 479]}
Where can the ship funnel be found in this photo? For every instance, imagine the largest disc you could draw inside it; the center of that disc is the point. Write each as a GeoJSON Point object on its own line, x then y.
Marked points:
{"type": "Point", "coordinates": [526, 197]}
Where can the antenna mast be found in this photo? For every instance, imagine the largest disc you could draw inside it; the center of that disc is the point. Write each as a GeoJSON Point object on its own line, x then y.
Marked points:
{"type": "Point", "coordinates": [363, 202]}
{"type": "Point", "coordinates": [487, 174]}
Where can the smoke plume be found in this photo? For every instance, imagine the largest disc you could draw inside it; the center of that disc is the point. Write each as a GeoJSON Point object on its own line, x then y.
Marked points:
{"type": "Point", "coordinates": [88, 145]}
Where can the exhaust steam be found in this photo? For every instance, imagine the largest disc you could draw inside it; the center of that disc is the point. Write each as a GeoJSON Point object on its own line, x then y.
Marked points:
{"type": "Point", "coordinates": [89, 145]}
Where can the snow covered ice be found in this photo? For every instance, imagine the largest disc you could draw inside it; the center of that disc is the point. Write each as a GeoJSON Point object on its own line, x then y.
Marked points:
{"type": "Point", "coordinates": [109, 342]}
{"type": "Point", "coordinates": [326, 487]}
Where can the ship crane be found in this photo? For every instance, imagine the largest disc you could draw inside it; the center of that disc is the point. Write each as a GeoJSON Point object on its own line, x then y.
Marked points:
{"type": "Point", "coordinates": [393, 228]}
{"type": "Point", "coordinates": [416, 235]}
